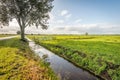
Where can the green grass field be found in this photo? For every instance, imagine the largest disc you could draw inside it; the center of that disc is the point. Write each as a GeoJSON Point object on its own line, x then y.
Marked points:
{"type": "Point", "coordinates": [99, 54]}
{"type": "Point", "coordinates": [18, 62]}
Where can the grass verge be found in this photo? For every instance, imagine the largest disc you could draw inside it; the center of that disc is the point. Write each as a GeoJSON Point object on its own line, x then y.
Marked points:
{"type": "Point", "coordinates": [18, 62]}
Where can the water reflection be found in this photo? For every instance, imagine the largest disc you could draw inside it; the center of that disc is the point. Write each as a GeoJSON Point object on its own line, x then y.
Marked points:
{"type": "Point", "coordinates": [64, 69]}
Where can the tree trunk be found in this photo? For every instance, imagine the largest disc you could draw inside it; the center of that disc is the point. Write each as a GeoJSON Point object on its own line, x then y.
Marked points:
{"type": "Point", "coordinates": [22, 27]}
{"type": "Point", "coordinates": [23, 33]}
{"type": "Point", "coordinates": [21, 23]}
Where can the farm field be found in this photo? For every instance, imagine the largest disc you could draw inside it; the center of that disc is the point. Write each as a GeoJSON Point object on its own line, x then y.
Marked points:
{"type": "Point", "coordinates": [98, 54]}
{"type": "Point", "coordinates": [1, 35]}
{"type": "Point", "coordinates": [18, 62]}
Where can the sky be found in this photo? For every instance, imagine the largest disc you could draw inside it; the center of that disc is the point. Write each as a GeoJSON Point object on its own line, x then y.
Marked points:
{"type": "Point", "coordinates": [79, 17]}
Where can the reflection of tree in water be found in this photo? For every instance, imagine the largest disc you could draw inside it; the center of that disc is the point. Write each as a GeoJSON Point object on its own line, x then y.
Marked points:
{"type": "Point", "coordinates": [67, 76]}
{"type": "Point", "coordinates": [45, 56]}
{"type": "Point", "coordinates": [64, 76]}
{"type": "Point", "coordinates": [46, 59]}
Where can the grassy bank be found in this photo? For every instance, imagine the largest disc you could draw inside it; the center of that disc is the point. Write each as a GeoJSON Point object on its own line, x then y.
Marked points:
{"type": "Point", "coordinates": [18, 62]}
{"type": "Point", "coordinates": [98, 54]}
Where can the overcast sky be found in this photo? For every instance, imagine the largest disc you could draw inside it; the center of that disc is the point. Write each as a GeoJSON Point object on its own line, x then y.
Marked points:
{"type": "Point", "coordinates": [79, 16]}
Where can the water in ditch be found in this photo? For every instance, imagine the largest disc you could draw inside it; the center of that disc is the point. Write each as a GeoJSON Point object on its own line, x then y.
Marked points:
{"type": "Point", "coordinates": [63, 68]}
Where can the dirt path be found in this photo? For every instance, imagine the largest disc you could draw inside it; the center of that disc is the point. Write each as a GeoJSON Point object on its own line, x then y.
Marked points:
{"type": "Point", "coordinates": [4, 38]}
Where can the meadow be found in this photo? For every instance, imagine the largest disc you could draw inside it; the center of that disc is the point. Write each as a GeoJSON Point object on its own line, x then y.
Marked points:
{"type": "Point", "coordinates": [18, 62]}
{"type": "Point", "coordinates": [100, 54]}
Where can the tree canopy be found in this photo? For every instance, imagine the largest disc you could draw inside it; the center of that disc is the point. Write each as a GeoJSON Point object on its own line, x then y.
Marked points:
{"type": "Point", "coordinates": [26, 12]}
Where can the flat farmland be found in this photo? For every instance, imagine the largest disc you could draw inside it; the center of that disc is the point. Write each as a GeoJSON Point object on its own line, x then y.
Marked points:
{"type": "Point", "coordinates": [100, 54]}
{"type": "Point", "coordinates": [6, 35]}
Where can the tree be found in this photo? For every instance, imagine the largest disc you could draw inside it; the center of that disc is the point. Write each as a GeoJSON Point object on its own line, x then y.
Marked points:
{"type": "Point", "coordinates": [86, 33]}
{"type": "Point", "coordinates": [18, 32]}
{"type": "Point", "coordinates": [26, 12]}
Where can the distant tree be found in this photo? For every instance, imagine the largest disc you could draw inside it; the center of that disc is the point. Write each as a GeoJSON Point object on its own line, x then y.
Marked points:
{"type": "Point", "coordinates": [26, 12]}
{"type": "Point", "coordinates": [86, 33]}
{"type": "Point", "coordinates": [18, 32]}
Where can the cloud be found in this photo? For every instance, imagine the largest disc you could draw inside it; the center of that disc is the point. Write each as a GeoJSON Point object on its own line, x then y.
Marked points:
{"type": "Point", "coordinates": [64, 12]}
{"type": "Point", "coordinates": [78, 20]}
{"type": "Point", "coordinates": [52, 18]}
{"type": "Point", "coordinates": [90, 28]}
{"type": "Point", "coordinates": [9, 29]}
{"type": "Point", "coordinates": [60, 21]}
{"type": "Point", "coordinates": [61, 27]}
{"type": "Point", "coordinates": [68, 15]}
{"type": "Point", "coordinates": [13, 23]}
